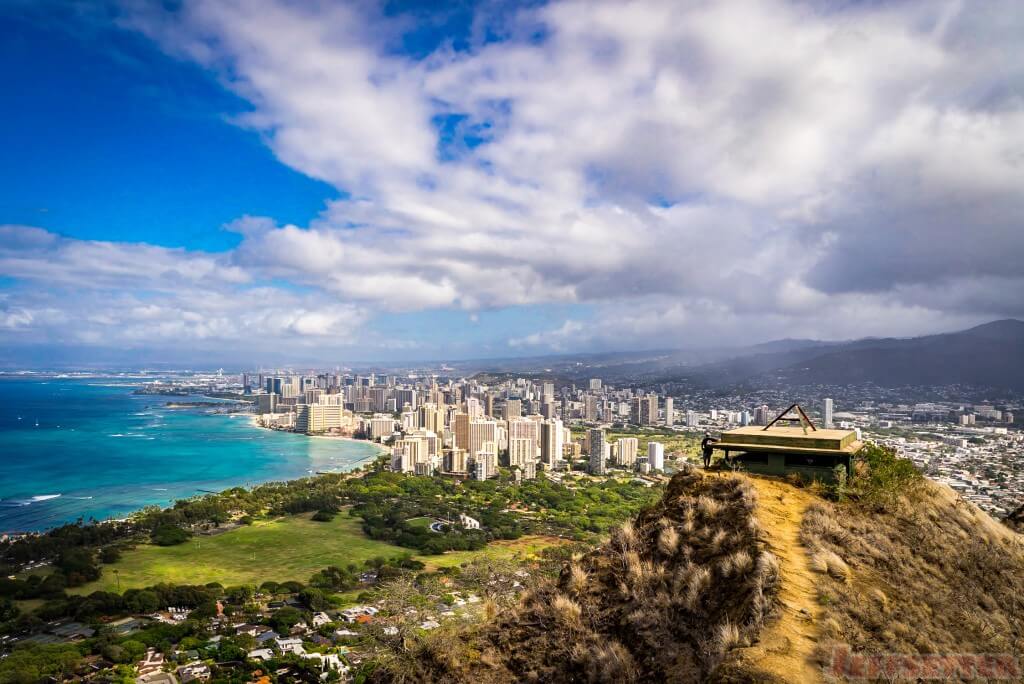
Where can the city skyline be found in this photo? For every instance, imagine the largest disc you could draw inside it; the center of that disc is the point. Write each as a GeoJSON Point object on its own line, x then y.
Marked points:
{"type": "Point", "coordinates": [319, 182]}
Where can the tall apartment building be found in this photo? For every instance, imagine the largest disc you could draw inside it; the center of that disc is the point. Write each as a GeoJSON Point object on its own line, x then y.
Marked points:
{"type": "Point", "coordinates": [405, 396]}
{"type": "Point", "coordinates": [628, 447]}
{"type": "Point", "coordinates": [381, 426]}
{"type": "Point", "coordinates": [521, 451]}
{"type": "Point", "coordinates": [649, 410]}
{"type": "Point", "coordinates": [525, 428]}
{"type": "Point", "coordinates": [317, 418]}
{"type": "Point", "coordinates": [430, 417]}
{"type": "Point", "coordinates": [416, 448]}
{"type": "Point", "coordinates": [827, 413]}
{"type": "Point", "coordinates": [455, 461]}
{"type": "Point", "coordinates": [552, 442]}
{"type": "Point", "coordinates": [598, 448]}
{"type": "Point", "coordinates": [670, 413]}
{"type": "Point", "coordinates": [481, 431]}
{"type": "Point", "coordinates": [266, 403]}
{"type": "Point", "coordinates": [513, 408]}
{"type": "Point", "coordinates": [656, 455]}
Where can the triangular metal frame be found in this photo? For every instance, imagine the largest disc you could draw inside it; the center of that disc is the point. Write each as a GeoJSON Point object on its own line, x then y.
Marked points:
{"type": "Point", "coordinates": [801, 418]}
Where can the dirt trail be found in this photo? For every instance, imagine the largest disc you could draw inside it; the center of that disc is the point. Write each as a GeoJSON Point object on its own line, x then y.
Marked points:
{"type": "Point", "coordinates": [787, 643]}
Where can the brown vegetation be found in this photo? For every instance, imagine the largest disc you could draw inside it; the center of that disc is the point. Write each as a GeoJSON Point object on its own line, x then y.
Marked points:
{"type": "Point", "coordinates": [928, 573]}
{"type": "Point", "coordinates": [666, 599]}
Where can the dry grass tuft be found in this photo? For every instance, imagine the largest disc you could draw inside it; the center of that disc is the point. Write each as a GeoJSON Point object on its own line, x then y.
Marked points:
{"type": "Point", "coordinates": [708, 507]}
{"type": "Point", "coordinates": [739, 563]}
{"type": "Point", "coordinates": [625, 537]}
{"type": "Point", "coordinates": [568, 612]}
{"type": "Point", "coordinates": [829, 562]}
{"type": "Point", "coordinates": [668, 541]}
{"type": "Point", "coordinates": [579, 578]}
{"type": "Point", "coordinates": [728, 636]}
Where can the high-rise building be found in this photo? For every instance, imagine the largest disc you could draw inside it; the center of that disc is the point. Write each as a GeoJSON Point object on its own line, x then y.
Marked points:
{"type": "Point", "coordinates": [649, 410]}
{"type": "Point", "coordinates": [595, 384]}
{"type": "Point", "coordinates": [316, 418]}
{"type": "Point", "coordinates": [480, 470]}
{"type": "Point", "coordinates": [761, 415]}
{"type": "Point", "coordinates": [828, 413]}
{"type": "Point", "coordinates": [628, 447]}
{"type": "Point", "coordinates": [521, 450]}
{"type": "Point", "coordinates": [266, 403]}
{"type": "Point", "coordinates": [381, 426]}
{"type": "Point", "coordinates": [513, 408]}
{"type": "Point", "coordinates": [455, 461]}
{"type": "Point", "coordinates": [590, 408]}
{"type": "Point", "coordinates": [551, 442]}
{"type": "Point", "coordinates": [634, 410]}
{"type": "Point", "coordinates": [460, 427]}
{"type": "Point", "coordinates": [416, 448]}
{"type": "Point", "coordinates": [405, 396]}
{"type": "Point", "coordinates": [670, 413]}
{"type": "Point", "coordinates": [430, 417]}
{"type": "Point", "coordinates": [656, 455]}
{"type": "Point", "coordinates": [692, 419]}
{"type": "Point", "coordinates": [401, 460]}
{"type": "Point", "coordinates": [530, 471]}
{"type": "Point", "coordinates": [598, 448]}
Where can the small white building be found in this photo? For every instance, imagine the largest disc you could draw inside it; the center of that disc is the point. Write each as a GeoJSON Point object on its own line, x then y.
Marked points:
{"type": "Point", "coordinates": [290, 645]}
{"type": "Point", "coordinates": [469, 523]}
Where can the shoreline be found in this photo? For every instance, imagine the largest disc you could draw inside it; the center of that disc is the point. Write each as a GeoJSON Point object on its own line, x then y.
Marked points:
{"type": "Point", "coordinates": [122, 517]}
{"type": "Point", "coordinates": [254, 421]}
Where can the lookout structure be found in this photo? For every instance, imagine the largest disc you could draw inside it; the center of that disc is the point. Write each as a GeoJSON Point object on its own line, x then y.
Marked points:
{"type": "Point", "coordinates": [790, 443]}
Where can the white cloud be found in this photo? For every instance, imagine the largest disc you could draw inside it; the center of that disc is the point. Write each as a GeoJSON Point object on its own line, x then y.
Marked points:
{"type": "Point", "coordinates": [685, 169]}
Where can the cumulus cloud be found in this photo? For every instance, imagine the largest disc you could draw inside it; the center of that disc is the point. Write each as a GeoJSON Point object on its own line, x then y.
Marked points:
{"type": "Point", "coordinates": [71, 291]}
{"type": "Point", "coordinates": [686, 169]}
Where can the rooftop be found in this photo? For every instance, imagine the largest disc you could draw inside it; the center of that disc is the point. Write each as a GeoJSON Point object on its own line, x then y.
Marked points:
{"type": "Point", "coordinates": [790, 439]}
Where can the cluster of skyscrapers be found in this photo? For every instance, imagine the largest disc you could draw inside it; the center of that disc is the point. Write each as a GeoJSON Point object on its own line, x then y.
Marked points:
{"type": "Point", "coordinates": [460, 427]}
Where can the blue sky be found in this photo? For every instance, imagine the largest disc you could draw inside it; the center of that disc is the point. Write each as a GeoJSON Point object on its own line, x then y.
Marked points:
{"type": "Point", "coordinates": [117, 141]}
{"type": "Point", "coordinates": [346, 182]}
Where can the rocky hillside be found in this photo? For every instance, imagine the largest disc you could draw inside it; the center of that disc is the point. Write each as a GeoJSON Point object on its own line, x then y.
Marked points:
{"type": "Point", "coordinates": [1015, 520]}
{"type": "Point", "coordinates": [731, 578]}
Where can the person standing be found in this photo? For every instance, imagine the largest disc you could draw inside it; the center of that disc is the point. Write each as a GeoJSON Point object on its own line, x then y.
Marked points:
{"type": "Point", "coordinates": [706, 449]}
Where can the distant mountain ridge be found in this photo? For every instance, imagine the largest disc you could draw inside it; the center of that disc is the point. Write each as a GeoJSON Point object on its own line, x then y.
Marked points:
{"type": "Point", "coordinates": [989, 355]}
{"type": "Point", "coordinates": [986, 355]}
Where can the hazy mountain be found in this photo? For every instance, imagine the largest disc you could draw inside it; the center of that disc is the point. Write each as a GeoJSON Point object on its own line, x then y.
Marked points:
{"type": "Point", "coordinates": [987, 355]}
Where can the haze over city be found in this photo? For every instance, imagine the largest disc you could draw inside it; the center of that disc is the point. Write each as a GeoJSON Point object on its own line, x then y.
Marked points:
{"type": "Point", "coordinates": [268, 181]}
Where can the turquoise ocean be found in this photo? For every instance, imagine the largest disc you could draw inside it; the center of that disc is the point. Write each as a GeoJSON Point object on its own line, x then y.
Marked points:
{"type": "Point", "coordinates": [90, 448]}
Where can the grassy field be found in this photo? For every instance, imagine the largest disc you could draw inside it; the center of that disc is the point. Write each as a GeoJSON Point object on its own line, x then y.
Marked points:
{"type": "Point", "coordinates": [291, 548]}
{"type": "Point", "coordinates": [523, 548]}
{"type": "Point", "coordinates": [423, 522]}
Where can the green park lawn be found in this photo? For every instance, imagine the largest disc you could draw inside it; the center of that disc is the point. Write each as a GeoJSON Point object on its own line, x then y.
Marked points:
{"type": "Point", "coordinates": [282, 549]}
{"type": "Point", "coordinates": [290, 548]}
{"type": "Point", "coordinates": [422, 521]}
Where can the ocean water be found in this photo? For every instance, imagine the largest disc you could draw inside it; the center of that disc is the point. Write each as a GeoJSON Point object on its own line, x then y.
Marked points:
{"type": "Point", "coordinates": [89, 448]}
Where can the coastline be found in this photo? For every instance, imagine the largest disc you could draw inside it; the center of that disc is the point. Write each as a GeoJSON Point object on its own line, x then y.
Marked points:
{"type": "Point", "coordinates": [254, 421]}
{"type": "Point", "coordinates": [141, 454]}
